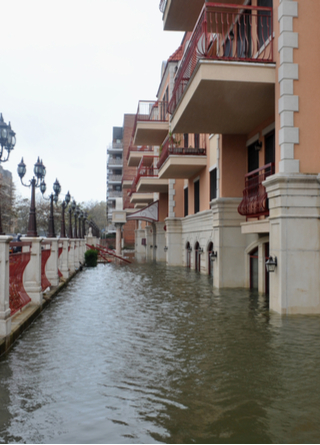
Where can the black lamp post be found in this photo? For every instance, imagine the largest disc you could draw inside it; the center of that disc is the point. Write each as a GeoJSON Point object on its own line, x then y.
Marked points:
{"type": "Point", "coordinates": [85, 216]}
{"type": "Point", "coordinates": [76, 213]}
{"type": "Point", "coordinates": [71, 209]}
{"type": "Point", "coordinates": [81, 224]}
{"type": "Point", "coordinates": [7, 142]}
{"type": "Point", "coordinates": [63, 223]}
{"type": "Point", "coordinates": [37, 181]}
{"type": "Point", "coordinates": [53, 198]}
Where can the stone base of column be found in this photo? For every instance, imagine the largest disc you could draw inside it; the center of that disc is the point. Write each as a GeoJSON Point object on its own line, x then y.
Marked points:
{"type": "Point", "coordinates": [229, 243]}
{"type": "Point", "coordinates": [174, 241]}
{"type": "Point", "coordinates": [294, 203]}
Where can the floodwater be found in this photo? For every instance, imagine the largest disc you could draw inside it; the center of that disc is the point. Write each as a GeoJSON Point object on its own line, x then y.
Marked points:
{"type": "Point", "coordinates": [146, 354]}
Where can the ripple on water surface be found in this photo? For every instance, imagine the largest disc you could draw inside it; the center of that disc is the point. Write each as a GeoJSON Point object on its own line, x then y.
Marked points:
{"type": "Point", "coordinates": [147, 353]}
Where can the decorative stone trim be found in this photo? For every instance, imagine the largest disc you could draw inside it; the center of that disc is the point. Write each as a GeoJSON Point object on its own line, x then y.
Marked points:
{"type": "Point", "coordinates": [288, 72]}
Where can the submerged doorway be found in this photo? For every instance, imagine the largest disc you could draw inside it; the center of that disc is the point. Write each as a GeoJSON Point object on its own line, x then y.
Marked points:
{"type": "Point", "coordinates": [254, 269]}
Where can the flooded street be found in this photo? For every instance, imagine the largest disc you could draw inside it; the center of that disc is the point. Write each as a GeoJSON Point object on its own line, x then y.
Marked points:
{"type": "Point", "coordinates": [145, 354]}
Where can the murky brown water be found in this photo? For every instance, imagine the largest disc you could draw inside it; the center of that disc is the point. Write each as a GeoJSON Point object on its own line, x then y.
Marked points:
{"type": "Point", "coordinates": [145, 353]}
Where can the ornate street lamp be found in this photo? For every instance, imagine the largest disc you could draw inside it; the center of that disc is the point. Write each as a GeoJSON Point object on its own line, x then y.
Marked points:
{"type": "Point", "coordinates": [64, 206]}
{"type": "Point", "coordinates": [76, 214]}
{"type": "Point", "coordinates": [37, 181]}
{"type": "Point", "coordinates": [85, 216]}
{"type": "Point", "coordinates": [53, 198]}
{"type": "Point", "coordinates": [71, 209]}
{"type": "Point", "coordinates": [271, 264]}
{"type": "Point", "coordinates": [7, 142]}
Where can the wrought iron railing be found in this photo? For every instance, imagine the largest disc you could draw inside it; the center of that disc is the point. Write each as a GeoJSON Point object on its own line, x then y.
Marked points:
{"type": "Point", "coordinates": [255, 200]}
{"type": "Point", "coordinates": [146, 170]}
{"type": "Point", "coordinates": [226, 32]}
{"type": "Point", "coordinates": [172, 147]}
{"type": "Point", "coordinates": [162, 5]}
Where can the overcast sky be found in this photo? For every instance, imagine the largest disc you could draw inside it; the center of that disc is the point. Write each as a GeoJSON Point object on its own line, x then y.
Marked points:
{"type": "Point", "coordinates": [70, 69]}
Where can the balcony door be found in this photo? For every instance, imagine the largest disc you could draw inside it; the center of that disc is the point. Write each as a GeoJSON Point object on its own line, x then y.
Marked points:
{"type": "Point", "coordinates": [270, 145]}
{"type": "Point", "coordinates": [253, 158]}
{"type": "Point", "coordinates": [244, 35]}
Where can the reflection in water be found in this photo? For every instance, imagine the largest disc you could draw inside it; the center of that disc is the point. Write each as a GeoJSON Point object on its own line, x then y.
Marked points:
{"type": "Point", "coordinates": [147, 353]}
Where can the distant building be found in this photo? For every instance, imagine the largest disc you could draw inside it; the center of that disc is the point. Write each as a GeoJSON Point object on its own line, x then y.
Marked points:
{"type": "Point", "coordinates": [6, 200]}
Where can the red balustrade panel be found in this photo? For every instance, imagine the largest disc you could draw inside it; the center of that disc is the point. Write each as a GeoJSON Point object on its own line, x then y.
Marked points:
{"type": "Point", "coordinates": [44, 258]}
{"type": "Point", "coordinates": [59, 253]}
{"type": "Point", "coordinates": [18, 297]}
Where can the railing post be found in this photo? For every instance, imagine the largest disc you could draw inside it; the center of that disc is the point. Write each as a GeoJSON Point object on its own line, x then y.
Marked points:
{"type": "Point", "coordinates": [64, 267]}
{"type": "Point", "coordinates": [52, 263]}
{"type": "Point", "coordinates": [71, 256]}
{"type": "Point", "coordinates": [5, 319]}
{"type": "Point", "coordinates": [32, 273]}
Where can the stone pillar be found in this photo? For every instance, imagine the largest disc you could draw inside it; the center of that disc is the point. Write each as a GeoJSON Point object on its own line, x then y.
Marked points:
{"type": "Point", "coordinates": [64, 267]}
{"type": "Point", "coordinates": [174, 241]}
{"type": "Point", "coordinates": [140, 249]}
{"type": "Point", "coordinates": [229, 267]}
{"type": "Point", "coordinates": [294, 203]}
{"type": "Point", "coordinates": [118, 239]}
{"type": "Point", "coordinates": [160, 241]}
{"type": "Point", "coordinates": [76, 254]}
{"type": "Point", "coordinates": [32, 273]}
{"type": "Point", "coordinates": [150, 242]}
{"type": "Point", "coordinates": [71, 256]}
{"type": "Point", "coordinates": [52, 263]}
{"type": "Point", "coordinates": [5, 319]}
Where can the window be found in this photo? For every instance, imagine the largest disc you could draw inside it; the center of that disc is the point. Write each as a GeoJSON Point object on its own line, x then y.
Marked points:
{"type": "Point", "coordinates": [186, 140]}
{"type": "Point", "coordinates": [196, 140]}
{"type": "Point", "coordinates": [213, 184]}
{"type": "Point", "coordinates": [186, 201]}
{"type": "Point", "coordinates": [264, 22]}
{"type": "Point", "coordinates": [269, 155]}
{"type": "Point", "coordinates": [196, 196]}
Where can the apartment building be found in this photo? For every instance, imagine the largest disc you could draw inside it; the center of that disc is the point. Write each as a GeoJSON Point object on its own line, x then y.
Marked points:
{"type": "Point", "coordinates": [236, 125]}
{"type": "Point", "coordinates": [114, 174]}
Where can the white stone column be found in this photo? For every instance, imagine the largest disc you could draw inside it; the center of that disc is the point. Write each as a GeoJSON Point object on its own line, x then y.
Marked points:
{"type": "Point", "coordinates": [229, 267]}
{"type": "Point", "coordinates": [118, 238]}
{"type": "Point", "coordinates": [160, 241]}
{"type": "Point", "coordinates": [5, 319]}
{"type": "Point", "coordinates": [63, 260]}
{"type": "Point", "coordinates": [294, 203]}
{"type": "Point", "coordinates": [174, 241]}
{"type": "Point", "coordinates": [52, 263]}
{"type": "Point", "coordinates": [288, 73]}
{"type": "Point", "coordinates": [150, 242]}
{"type": "Point", "coordinates": [140, 249]}
{"type": "Point", "coordinates": [71, 256]}
{"type": "Point", "coordinates": [32, 273]}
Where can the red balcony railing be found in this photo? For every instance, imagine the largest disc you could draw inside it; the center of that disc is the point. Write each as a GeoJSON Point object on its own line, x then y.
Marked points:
{"type": "Point", "coordinates": [151, 111]}
{"type": "Point", "coordinates": [142, 149]}
{"type": "Point", "coordinates": [45, 254]}
{"type": "Point", "coordinates": [255, 200]}
{"type": "Point", "coordinates": [226, 32]}
{"type": "Point", "coordinates": [172, 147]}
{"type": "Point", "coordinates": [146, 169]}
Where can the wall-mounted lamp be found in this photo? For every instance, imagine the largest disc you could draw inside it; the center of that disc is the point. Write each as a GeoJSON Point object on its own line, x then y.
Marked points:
{"type": "Point", "coordinates": [258, 145]}
{"type": "Point", "coordinates": [151, 246]}
{"type": "Point", "coordinates": [189, 249]}
{"type": "Point", "coordinates": [213, 255]}
{"type": "Point", "coordinates": [200, 250]}
{"type": "Point", "coordinates": [165, 248]}
{"type": "Point", "coordinates": [271, 264]}
{"type": "Point", "coordinates": [155, 247]}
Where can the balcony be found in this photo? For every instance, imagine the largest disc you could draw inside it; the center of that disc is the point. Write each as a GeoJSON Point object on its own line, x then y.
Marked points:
{"type": "Point", "coordinates": [141, 199]}
{"type": "Point", "coordinates": [114, 179]}
{"type": "Point", "coordinates": [147, 178]}
{"type": "Point", "coordinates": [115, 162]}
{"type": "Point", "coordinates": [177, 162]}
{"type": "Point", "coordinates": [254, 203]}
{"type": "Point", "coordinates": [151, 123]}
{"type": "Point", "coordinates": [114, 194]}
{"type": "Point", "coordinates": [127, 180]}
{"type": "Point", "coordinates": [226, 80]}
{"type": "Point", "coordinates": [135, 154]}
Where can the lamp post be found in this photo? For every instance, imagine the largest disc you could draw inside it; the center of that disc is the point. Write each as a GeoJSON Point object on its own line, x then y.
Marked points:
{"type": "Point", "coordinates": [7, 142]}
{"type": "Point", "coordinates": [38, 179]}
{"type": "Point", "coordinates": [52, 198]}
{"type": "Point", "coordinates": [71, 209]}
{"type": "Point", "coordinates": [65, 203]}
{"type": "Point", "coordinates": [76, 213]}
{"type": "Point", "coordinates": [80, 216]}
{"type": "Point", "coordinates": [85, 216]}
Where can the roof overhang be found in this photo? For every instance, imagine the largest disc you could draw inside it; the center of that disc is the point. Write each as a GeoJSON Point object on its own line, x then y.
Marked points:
{"type": "Point", "coordinates": [226, 98]}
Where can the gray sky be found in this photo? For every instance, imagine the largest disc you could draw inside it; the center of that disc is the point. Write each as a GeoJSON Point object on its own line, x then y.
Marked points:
{"type": "Point", "coordinates": [70, 69]}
